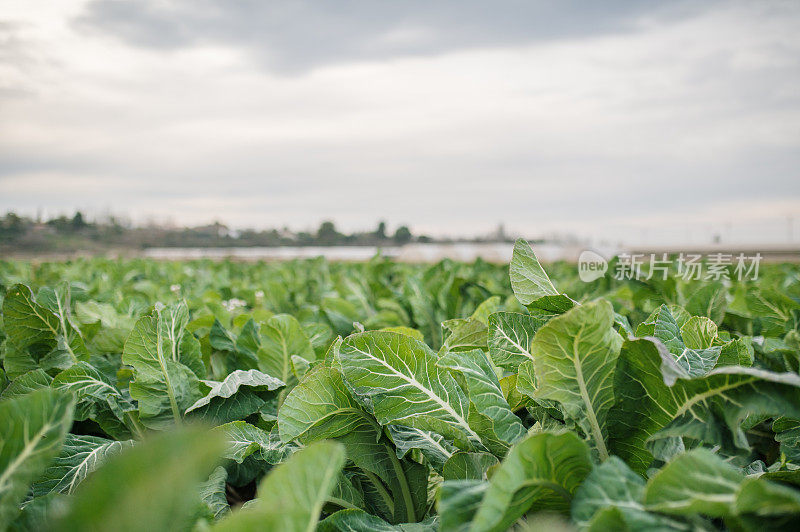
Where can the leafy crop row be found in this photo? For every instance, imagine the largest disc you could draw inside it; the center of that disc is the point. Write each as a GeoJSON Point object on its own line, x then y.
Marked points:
{"type": "Point", "coordinates": [381, 396]}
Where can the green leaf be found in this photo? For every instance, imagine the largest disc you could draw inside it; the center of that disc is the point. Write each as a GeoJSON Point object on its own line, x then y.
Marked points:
{"type": "Point", "coordinates": [433, 446]}
{"type": "Point", "coordinates": [709, 408]}
{"type": "Point", "coordinates": [241, 393]}
{"type": "Point", "coordinates": [469, 466]}
{"type": "Point", "coordinates": [465, 334]}
{"type": "Point", "coordinates": [764, 498]}
{"type": "Point", "coordinates": [164, 384]}
{"type": "Point", "coordinates": [151, 486]}
{"type": "Point", "coordinates": [282, 337]}
{"type": "Point", "coordinates": [212, 494]}
{"type": "Point", "coordinates": [94, 392]}
{"type": "Point", "coordinates": [457, 502]}
{"type": "Point", "coordinates": [698, 481]}
{"type": "Point", "coordinates": [662, 325]}
{"type": "Point", "coordinates": [346, 494]}
{"type": "Point", "coordinates": [542, 472]}
{"type": "Point", "coordinates": [79, 456]}
{"type": "Point", "coordinates": [27, 383]}
{"type": "Point", "coordinates": [699, 332]}
{"type": "Point", "coordinates": [48, 337]}
{"type": "Point", "coordinates": [36, 513]}
{"type": "Point", "coordinates": [709, 300]}
{"type": "Point", "coordinates": [528, 279]}
{"type": "Point", "coordinates": [243, 439]}
{"type": "Point", "coordinates": [696, 361]}
{"type": "Point", "coordinates": [220, 338]}
{"type": "Point", "coordinates": [515, 399]}
{"type": "Point", "coordinates": [575, 356]}
{"type": "Point", "coordinates": [490, 414]}
{"type": "Point", "coordinates": [510, 338]}
{"type": "Point", "coordinates": [353, 520]}
{"type": "Point", "coordinates": [787, 434]}
{"type": "Point", "coordinates": [399, 375]}
{"type": "Point", "coordinates": [248, 342]}
{"type": "Point", "coordinates": [321, 407]}
{"type": "Point", "coordinates": [612, 485]}
{"type": "Point", "coordinates": [32, 430]}
{"type": "Point", "coordinates": [737, 352]}
{"type": "Point", "coordinates": [291, 496]}
{"type": "Point", "coordinates": [340, 313]}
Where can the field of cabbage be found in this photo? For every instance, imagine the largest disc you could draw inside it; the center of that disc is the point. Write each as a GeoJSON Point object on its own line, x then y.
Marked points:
{"type": "Point", "coordinates": [309, 395]}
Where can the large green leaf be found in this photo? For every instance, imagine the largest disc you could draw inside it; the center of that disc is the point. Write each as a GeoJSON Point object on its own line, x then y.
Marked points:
{"type": "Point", "coordinates": [98, 399]}
{"type": "Point", "coordinates": [699, 332]}
{"type": "Point", "coordinates": [662, 325]}
{"type": "Point", "coordinates": [457, 501]}
{"type": "Point", "coordinates": [164, 384]}
{"type": "Point", "coordinates": [38, 512]}
{"type": "Point", "coordinates": [282, 337]}
{"type": "Point", "coordinates": [709, 408]}
{"type": "Point", "coordinates": [321, 407]}
{"type": "Point", "coordinates": [434, 447]}
{"type": "Point", "coordinates": [32, 430]}
{"type": "Point", "coordinates": [26, 383]}
{"type": "Point", "coordinates": [291, 496]}
{"type": "Point", "coordinates": [43, 335]}
{"type": "Point", "coordinates": [695, 355]}
{"type": "Point", "coordinates": [698, 481]}
{"type": "Point", "coordinates": [528, 278]}
{"type": "Point", "coordinates": [469, 333]}
{"type": "Point", "coordinates": [613, 484]}
{"type": "Point", "coordinates": [510, 338]}
{"type": "Point", "coordinates": [764, 498]}
{"type": "Point", "coordinates": [212, 494]}
{"type": "Point", "coordinates": [241, 393]}
{"type": "Point", "coordinates": [400, 377]}
{"type": "Point", "coordinates": [151, 486]}
{"type": "Point", "coordinates": [80, 455]}
{"type": "Point", "coordinates": [468, 466]}
{"type": "Point", "coordinates": [243, 439]}
{"type": "Point", "coordinates": [541, 472]}
{"type": "Point", "coordinates": [574, 357]}
{"type": "Point", "coordinates": [489, 414]}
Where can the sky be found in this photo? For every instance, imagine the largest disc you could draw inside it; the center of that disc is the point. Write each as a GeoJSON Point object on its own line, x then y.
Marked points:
{"type": "Point", "coordinates": [618, 121]}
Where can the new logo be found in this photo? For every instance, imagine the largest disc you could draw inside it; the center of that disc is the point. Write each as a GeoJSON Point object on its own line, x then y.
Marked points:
{"type": "Point", "coordinates": [591, 266]}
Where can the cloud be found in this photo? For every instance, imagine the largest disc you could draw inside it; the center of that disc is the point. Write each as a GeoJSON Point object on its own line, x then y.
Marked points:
{"type": "Point", "coordinates": [648, 121]}
{"type": "Point", "coordinates": [294, 36]}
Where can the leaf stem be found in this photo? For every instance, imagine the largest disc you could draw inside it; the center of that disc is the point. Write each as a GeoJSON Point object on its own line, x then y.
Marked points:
{"type": "Point", "coordinates": [343, 503]}
{"type": "Point", "coordinates": [381, 489]}
{"type": "Point", "coordinates": [404, 488]}
{"type": "Point", "coordinates": [135, 425]}
{"type": "Point", "coordinates": [170, 391]}
{"type": "Point", "coordinates": [597, 434]}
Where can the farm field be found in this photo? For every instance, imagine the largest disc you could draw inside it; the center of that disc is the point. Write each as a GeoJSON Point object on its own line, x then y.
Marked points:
{"type": "Point", "coordinates": [316, 395]}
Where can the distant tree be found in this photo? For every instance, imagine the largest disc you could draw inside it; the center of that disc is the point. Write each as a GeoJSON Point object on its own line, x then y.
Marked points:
{"type": "Point", "coordinates": [11, 227]}
{"type": "Point", "coordinates": [327, 233]}
{"type": "Point", "coordinates": [402, 235]}
{"type": "Point", "coordinates": [380, 232]}
{"type": "Point", "coordinates": [78, 221]}
{"type": "Point", "coordinates": [62, 224]}
{"type": "Point", "coordinates": [304, 238]}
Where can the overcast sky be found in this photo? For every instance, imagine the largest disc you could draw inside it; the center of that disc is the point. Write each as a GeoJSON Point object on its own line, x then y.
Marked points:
{"type": "Point", "coordinates": [623, 120]}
